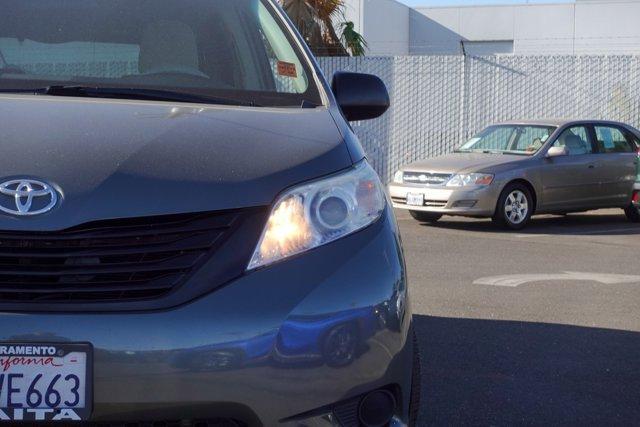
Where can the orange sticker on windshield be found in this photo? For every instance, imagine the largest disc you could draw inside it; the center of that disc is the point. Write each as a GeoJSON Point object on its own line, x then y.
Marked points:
{"type": "Point", "coordinates": [287, 69]}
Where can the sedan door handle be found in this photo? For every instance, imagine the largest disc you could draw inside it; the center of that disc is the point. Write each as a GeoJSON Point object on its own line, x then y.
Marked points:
{"type": "Point", "coordinates": [592, 166]}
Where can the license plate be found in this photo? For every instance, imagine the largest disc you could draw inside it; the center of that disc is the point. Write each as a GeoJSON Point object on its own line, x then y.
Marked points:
{"type": "Point", "coordinates": [415, 199]}
{"type": "Point", "coordinates": [45, 382]}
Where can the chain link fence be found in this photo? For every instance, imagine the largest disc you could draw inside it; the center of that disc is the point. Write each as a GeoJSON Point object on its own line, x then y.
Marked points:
{"type": "Point", "coordinates": [440, 101]}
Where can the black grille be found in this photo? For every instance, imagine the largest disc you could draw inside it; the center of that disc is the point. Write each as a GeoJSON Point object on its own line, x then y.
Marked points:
{"type": "Point", "coordinates": [115, 260]}
{"type": "Point", "coordinates": [347, 413]}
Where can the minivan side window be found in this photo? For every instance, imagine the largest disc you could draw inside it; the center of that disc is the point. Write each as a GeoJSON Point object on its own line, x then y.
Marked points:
{"type": "Point", "coordinates": [576, 139]}
{"type": "Point", "coordinates": [612, 140]}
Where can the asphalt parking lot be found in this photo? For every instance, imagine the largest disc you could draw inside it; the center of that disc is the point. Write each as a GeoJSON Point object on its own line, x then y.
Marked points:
{"type": "Point", "coordinates": [539, 327]}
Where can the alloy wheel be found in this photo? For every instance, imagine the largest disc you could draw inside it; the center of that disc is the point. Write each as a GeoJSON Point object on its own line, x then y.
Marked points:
{"type": "Point", "coordinates": [516, 207]}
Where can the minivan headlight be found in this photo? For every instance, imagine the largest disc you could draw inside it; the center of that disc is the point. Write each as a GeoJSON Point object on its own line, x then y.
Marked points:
{"type": "Point", "coordinates": [463, 180]}
{"type": "Point", "coordinates": [320, 212]}
{"type": "Point", "coordinates": [398, 178]}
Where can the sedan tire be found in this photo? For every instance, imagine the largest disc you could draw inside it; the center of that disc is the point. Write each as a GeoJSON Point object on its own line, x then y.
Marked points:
{"type": "Point", "coordinates": [633, 213]}
{"type": "Point", "coordinates": [425, 216]}
{"type": "Point", "coordinates": [515, 207]}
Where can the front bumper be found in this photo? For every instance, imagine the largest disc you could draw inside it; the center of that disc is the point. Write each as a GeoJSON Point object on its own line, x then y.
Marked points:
{"type": "Point", "coordinates": [258, 350]}
{"type": "Point", "coordinates": [475, 202]}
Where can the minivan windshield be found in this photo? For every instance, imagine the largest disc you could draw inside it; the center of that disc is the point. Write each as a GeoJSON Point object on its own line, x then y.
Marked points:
{"type": "Point", "coordinates": [510, 139]}
{"type": "Point", "coordinates": [237, 51]}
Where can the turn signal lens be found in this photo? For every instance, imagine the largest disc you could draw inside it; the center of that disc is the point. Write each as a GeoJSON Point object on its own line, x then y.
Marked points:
{"type": "Point", "coordinates": [320, 212]}
{"type": "Point", "coordinates": [463, 180]}
{"type": "Point", "coordinates": [484, 180]}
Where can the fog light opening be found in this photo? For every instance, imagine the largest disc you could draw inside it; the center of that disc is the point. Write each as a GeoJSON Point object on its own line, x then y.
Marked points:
{"type": "Point", "coordinates": [377, 408]}
{"type": "Point", "coordinates": [465, 203]}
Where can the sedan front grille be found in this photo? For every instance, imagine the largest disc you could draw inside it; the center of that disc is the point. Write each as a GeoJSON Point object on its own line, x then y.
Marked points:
{"type": "Point", "coordinates": [113, 260]}
{"type": "Point", "coordinates": [426, 178]}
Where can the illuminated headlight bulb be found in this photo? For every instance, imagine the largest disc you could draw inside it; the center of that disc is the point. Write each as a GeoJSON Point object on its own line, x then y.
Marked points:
{"type": "Point", "coordinates": [287, 230]}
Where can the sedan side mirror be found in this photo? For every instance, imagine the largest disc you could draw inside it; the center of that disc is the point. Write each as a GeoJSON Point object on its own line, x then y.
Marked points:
{"type": "Point", "coordinates": [360, 96]}
{"type": "Point", "coordinates": [557, 152]}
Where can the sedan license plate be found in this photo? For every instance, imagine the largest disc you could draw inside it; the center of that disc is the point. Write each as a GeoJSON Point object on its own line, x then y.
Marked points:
{"type": "Point", "coordinates": [415, 199]}
{"type": "Point", "coordinates": [45, 382]}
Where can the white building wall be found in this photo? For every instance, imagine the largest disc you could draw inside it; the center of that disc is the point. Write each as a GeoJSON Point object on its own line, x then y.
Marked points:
{"type": "Point", "coordinates": [586, 27]}
{"type": "Point", "coordinates": [384, 23]}
{"type": "Point", "coordinates": [608, 27]}
{"type": "Point", "coordinates": [547, 29]}
{"type": "Point", "coordinates": [436, 33]}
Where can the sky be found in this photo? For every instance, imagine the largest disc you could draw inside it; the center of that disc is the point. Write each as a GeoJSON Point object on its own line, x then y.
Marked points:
{"type": "Point", "coordinates": [474, 2]}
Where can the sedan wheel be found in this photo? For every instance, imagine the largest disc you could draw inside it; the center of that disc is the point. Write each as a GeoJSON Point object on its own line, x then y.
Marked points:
{"type": "Point", "coordinates": [515, 207]}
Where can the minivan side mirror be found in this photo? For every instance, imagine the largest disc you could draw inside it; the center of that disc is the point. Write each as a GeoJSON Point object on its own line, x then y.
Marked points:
{"type": "Point", "coordinates": [360, 96]}
{"type": "Point", "coordinates": [557, 152]}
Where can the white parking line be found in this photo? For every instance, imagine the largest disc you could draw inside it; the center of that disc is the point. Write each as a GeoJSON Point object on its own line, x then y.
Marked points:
{"type": "Point", "coordinates": [515, 280]}
{"type": "Point", "coordinates": [580, 233]}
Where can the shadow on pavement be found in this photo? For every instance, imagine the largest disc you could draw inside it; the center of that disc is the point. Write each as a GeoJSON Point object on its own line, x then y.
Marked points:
{"type": "Point", "coordinates": [572, 224]}
{"type": "Point", "coordinates": [483, 372]}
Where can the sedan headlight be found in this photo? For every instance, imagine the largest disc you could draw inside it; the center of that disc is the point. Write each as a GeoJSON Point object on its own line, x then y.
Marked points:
{"type": "Point", "coordinates": [398, 178]}
{"type": "Point", "coordinates": [466, 179]}
{"type": "Point", "coordinates": [320, 212]}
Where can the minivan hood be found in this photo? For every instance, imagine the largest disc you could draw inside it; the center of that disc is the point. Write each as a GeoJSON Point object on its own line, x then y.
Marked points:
{"type": "Point", "coordinates": [463, 162]}
{"type": "Point", "coordinates": [116, 158]}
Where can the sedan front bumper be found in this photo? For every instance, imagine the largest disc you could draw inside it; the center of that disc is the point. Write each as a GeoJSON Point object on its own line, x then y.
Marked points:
{"type": "Point", "coordinates": [280, 345]}
{"type": "Point", "coordinates": [474, 202]}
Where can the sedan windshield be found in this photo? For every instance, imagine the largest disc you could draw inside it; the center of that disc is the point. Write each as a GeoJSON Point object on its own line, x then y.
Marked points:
{"type": "Point", "coordinates": [236, 51]}
{"type": "Point", "coordinates": [511, 139]}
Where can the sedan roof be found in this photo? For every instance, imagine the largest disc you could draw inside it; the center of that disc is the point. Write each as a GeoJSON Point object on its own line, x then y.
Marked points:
{"type": "Point", "coordinates": [560, 122]}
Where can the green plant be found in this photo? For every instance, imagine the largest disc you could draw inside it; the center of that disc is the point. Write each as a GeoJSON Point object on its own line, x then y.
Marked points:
{"type": "Point", "coordinates": [316, 19]}
{"type": "Point", "coordinates": [355, 43]}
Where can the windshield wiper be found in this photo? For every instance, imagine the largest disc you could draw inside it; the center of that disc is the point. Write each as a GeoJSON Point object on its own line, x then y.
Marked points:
{"type": "Point", "coordinates": [142, 94]}
{"type": "Point", "coordinates": [131, 93]}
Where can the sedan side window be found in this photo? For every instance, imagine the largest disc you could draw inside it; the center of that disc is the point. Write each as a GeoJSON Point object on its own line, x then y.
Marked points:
{"type": "Point", "coordinates": [576, 140]}
{"type": "Point", "coordinates": [612, 140]}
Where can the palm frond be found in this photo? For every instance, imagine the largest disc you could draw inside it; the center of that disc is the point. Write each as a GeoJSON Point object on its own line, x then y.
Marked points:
{"type": "Point", "coordinates": [353, 40]}
{"type": "Point", "coordinates": [316, 19]}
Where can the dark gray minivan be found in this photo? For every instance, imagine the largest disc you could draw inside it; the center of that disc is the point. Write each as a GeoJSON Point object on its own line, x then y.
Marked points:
{"type": "Point", "coordinates": [190, 233]}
